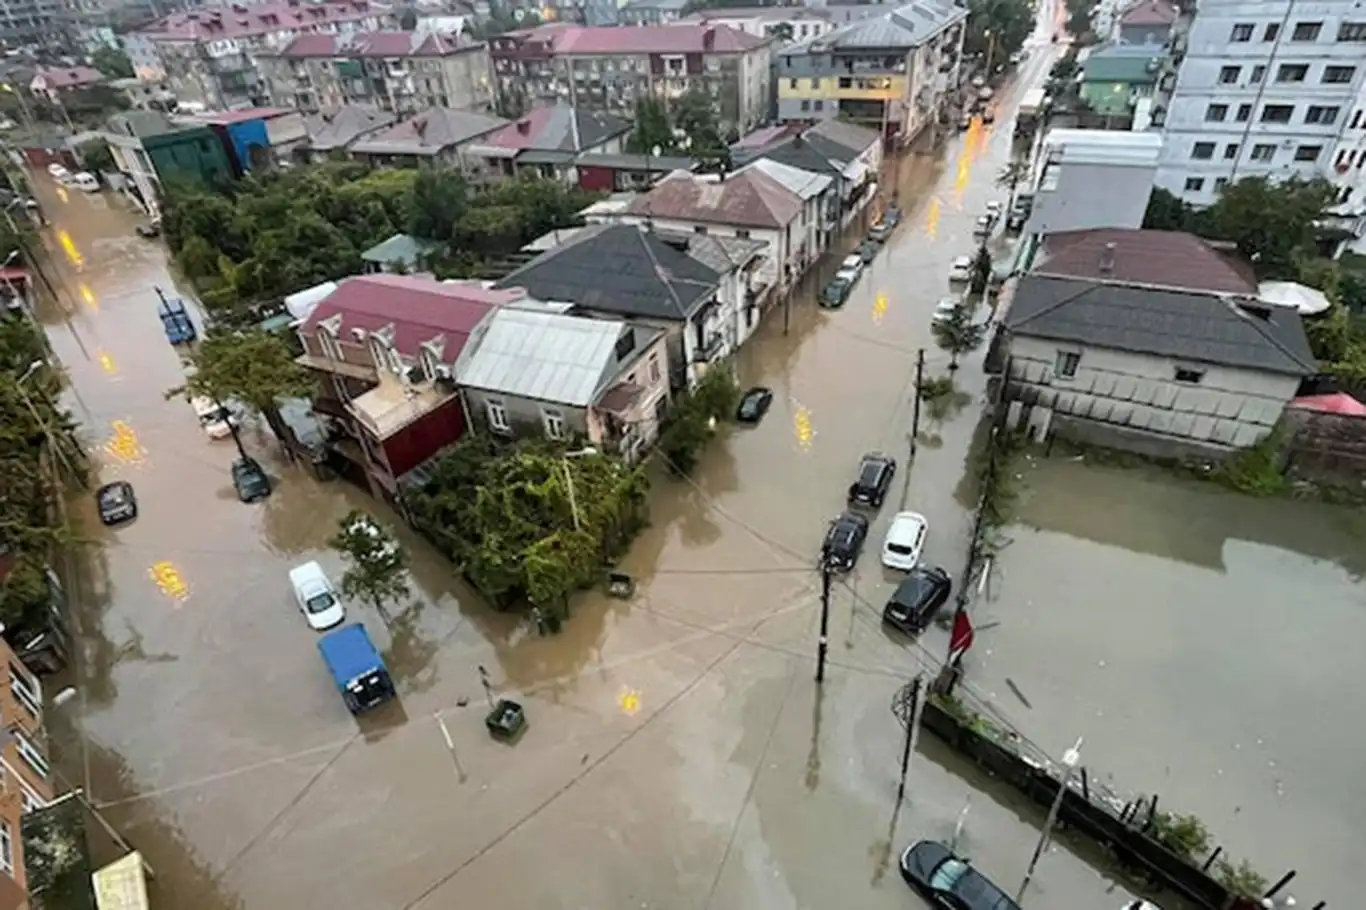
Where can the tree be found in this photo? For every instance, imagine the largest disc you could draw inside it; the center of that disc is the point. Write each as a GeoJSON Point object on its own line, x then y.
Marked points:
{"type": "Point", "coordinates": [1010, 177]}
{"type": "Point", "coordinates": [979, 274]}
{"type": "Point", "coordinates": [1272, 222]}
{"type": "Point", "coordinates": [97, 157]}
{"type": "Point", "coordinates": [1167, 212]}
{"type": "Point", "coordinates": [407, 20]}
{"type": "Point", "coordinates": [652, 128]}
{"type": "Point", "coordinates": [695, 115]}
{"type": "Point", "coordinates": [997, 28]}
{"type": "Point", "coordinates": [377, 566]}
{"type": "Point", "coordinates": [114, 64]}
{"type": "Point", "coordinates": [694, 417]}
{"type": "Point", "coordinates": [435, 204]}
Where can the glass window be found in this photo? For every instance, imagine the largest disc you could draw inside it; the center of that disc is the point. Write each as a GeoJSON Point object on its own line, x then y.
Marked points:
{"type": "Point", "coordinates": [35, 759]}
{"type": "Point", "coordinates": [1191, 377]}
{"type": "Point", "coordinates": [498, 417]}
{"type": "Point", "coordinates": [1195, 184]}
{"type": "Point", "coordinates": [1216, 112]}
{"type": "Point", "coordinates": [1277, 113]}
{"type": "Point", "coordinates": [1292, 72]}
{"type": "Point", "coordinates": [553, 419]}
{"type": "Point", "coordinates": [1068, 361]}
{"type": "Point", "coordinates": [1229, 74]}
{"type": "Point", "coordinates": [1231, 151]}
{"type": "Point", "coordinates": [26, 690]}
{"type": "Point", "coordinates": [1308, 152]}
{"type": "Point", "coordinates": [1244, 113]}
{"type": "Point", "coordinates": [1271, 32]}
{"type": "Point", "coordinates": [1263, 151]}
{"type": "Point", "coordinates": [6, 847]}
{"type": "Point", "coordinates": [1338, 75]}
{"type": "Point", "coordinates": [1241, 32]}
{"type": "Point", "coordinates": [1202, 151]}
{"type": "Point", "coordinates": [1306, 31]}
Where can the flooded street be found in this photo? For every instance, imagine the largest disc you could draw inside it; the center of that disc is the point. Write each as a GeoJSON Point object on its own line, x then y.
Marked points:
{"type": "Point", "coordinates": [679, 754]}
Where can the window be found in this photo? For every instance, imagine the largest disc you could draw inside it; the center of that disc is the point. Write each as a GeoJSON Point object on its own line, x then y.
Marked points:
{"type": "Point", "coordinates": [1215, 113]}
{"type": "Point", "coordinates": [553, 421]}
{"type": "Point", "coordinates": [815, 84]}
{"type": "Point", "coordinates": [846, 82]}
{"type": "Point", "coordinates": [654, 368]}
{"type": "Point", "coordinates": [1231, 151]}
{"type": "Point", "coordinates": [1318, 113]}
{"type": "Point", "coordinates": [327, 343]}
{"type": "Point", "coordinates": [1202, 151]}
{"type": "Point", "coordinates": [29, 753]}
{"type": "Point", "coordinates": [1244, 113]}
{"type": "Point", "coordinates": [1292, 72]}
{"type": "Point", "coordinates": [792, 84]}
{"type": "Point", "coordinates": [742, 233]}
{"type": "Point", "coordinates": [1263, 151]}
{"type": "Point", "coordinates": [1272, 32]}
{"type": "Point", "coordinates": [1341, 161]}
{"type": "Point", "coordinates": [29, 799]}
{"type": "Point", "coordinates": [1241, 32]}
{"type": "Point", "coordinates": [1338, 75]}
{"type": "Point", "coordinates": [1195, 184]}
{"type": "Point", "coordinates": [1068, 361]}
{"type": "Point", "coordinates": [1229, 75]}
{"type": "Point", "coordinates": [699, 229]}
{"type": "Point", "coordinates": [806, 106]}
{"type": "Point", "coordinates": [6, 848]}
{"type": "Point", "coordinates": [1277, 113]}
{"type": "Point", "coordinates": [1308, 152]}
{"type": "Point", "coordinates": [1192, 377]}
{"type": "Point", "coordinates": [1220, 183]}
{"type": "Point", "coordinates": [1258, 74]}
{"type": "Point", "coordinates": [1356, 118]}
{"type": "Point", "coordinates": [818, 104]}
{"type": "Point", "coordinates": [25, 690]}
{"type": "Point", "coordinates": [1306, 31]}
{"type": "Point", "coordinates": [498, 417]}
{"type": "Point", "coordinates": [1352, 31]}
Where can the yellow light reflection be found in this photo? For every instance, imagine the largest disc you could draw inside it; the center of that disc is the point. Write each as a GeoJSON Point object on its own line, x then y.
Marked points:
{"type": "Point", "coordinates": [89, 297]}
{"type": "Point", "coordinates": [629, 701]}
{"type": "Point", "coordinates": [107, 364]}
{"type": "Point", "coordinates": [879, 307]}
{"type": "Point", "coordinates": [69, 247]}
{"type": "Point", "coordinates": [61, 194]}
{"type": "Point", "coordinates": [932, 218]}
{"type": "Point", "coordinates": [802, 428]}
{"type": "Point", "coordinates": [124, 445]}
{"type": "Point", "coordinates": [168, 578]}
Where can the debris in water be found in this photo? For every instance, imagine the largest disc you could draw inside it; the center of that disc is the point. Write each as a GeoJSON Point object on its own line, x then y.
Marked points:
{"type": "Point", "coordinates": [1018, 694]}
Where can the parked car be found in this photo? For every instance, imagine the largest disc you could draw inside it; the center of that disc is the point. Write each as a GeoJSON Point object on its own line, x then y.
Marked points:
{"type": "Point", "coordinates": [916, 601]}
{"type": "Point", "coordinates": [867, 250]}
{"type": "Point", "coordinates": [250, 480]}
{"type": "Point", "coordinates": [850, 268]}
{"type": "Point", "coordinates": [892, 216]}
{"type": "Point", "coordinates": [905, 541]}
{"type": "Point", "coordinates": [875, 472]}
{"type": "Point", "coordinates": [988, 114]}
{"type": "Point", "coordinates": [754, 405]}
{"type": "Point", "coordinates": [835, 293]}
{"type": "Point", "coordinates": [86, 182]}
{"type": "Point", "coordinates": [946, 307]}
{"type": "Point", "coordinates": [57, 172]}
{"type": "Point", "coordinates": [844, 541]}
{"type": "Point", "coordinates": [950, 881]}
{"type": "Point", "coordinates": [216, 419]}
{"type": "Point", "coordinates": [993, 209]}
{"type": "Point", "coordinates": [150, 231]}
{"type": "Point", "coordinates": [982, 227]}
{"type": "Point", "coordinates": [961, 269]}
{"type": "Point", "coordinates": [879, 232]}
{"type": "Point", "coordinates": [116, 502]}
{"type": "Point", "coordinates": [316, 597]}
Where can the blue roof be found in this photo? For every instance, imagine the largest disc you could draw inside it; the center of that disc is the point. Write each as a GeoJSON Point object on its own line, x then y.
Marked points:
{"type": "Point", "coordinates": [349, 653]}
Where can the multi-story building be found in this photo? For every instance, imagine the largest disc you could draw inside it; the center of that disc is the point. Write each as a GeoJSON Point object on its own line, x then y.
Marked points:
{"type": "Point", "coordinates": [1348, 173]}
{"type": "Point", "coordinates": [210, 54]}
{"type": "Point", "coordinates": [652, 12]}
{"type": "Point", "coordinates": [150, 148]}
{"type": "Point", "coordinates": [894, 73]}
{"type": "Point", "coordinates": [1257, 89]}
{"type": "Point", "coordinates": [609, 69]}
{"type": "Point", "coordinates": [25, 778]}
{"type": "Point", "coordinates": [1089, 179]}
{"type": "Point", "coordinates": [784, 24]}
{"type": "Point", "coordinates": [34, 23]}
{"type": "Point", "coordinates": [402, 72]}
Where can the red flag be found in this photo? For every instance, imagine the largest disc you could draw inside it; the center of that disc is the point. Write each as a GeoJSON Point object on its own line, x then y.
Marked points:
{"type": "Point", "coordinates": [960, 639]}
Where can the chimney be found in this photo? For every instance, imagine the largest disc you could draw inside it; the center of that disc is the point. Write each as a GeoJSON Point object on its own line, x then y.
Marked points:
{"type": "Point", "coordinates": [524, 126]}
{"type": "Point", "coordinates": [1107, 259]}
{"type": "Point", "coordinates": [708, 38]}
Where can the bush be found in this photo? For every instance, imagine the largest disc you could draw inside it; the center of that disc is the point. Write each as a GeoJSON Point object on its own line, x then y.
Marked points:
{"type": "Point", "coordinates": [1184, 835]}
{"type": "Point", "coordinates": [695, 416]}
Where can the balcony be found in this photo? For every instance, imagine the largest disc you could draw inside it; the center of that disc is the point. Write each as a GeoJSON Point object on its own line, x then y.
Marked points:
{"type": "Point", "coordinates": [710, 348]}
{"type": "Point", "coordinates": [394, 404]}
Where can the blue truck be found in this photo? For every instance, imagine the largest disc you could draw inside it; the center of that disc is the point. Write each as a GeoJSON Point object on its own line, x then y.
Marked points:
{"type": "Point", "coordinates": [175, 319]}
{"type": "Point", "coordinates": [356, 667]}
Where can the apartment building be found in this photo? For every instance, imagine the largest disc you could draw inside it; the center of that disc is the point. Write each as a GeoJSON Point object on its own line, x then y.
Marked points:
{"type": "Point", "coordinates": [33, 23]}
{"type": "Point", "coordinates": [1348, 173]}
{"type": "Point", "coordinates": [25, 778]}
{"type": "Point", "coordinates": [403, 72]}
{"type": "Point", "coordinates": [784, 24]}
{"type": "Point", "coordinates": [609, 69]}
{"type": "Point", "coordinates": [1257, 89]}
{"type": "Point", "coordinates": [893, 73]}
{"type": "Point", "coordinates": [210, 54]}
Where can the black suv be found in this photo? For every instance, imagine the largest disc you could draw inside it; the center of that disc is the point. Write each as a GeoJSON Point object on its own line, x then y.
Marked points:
{"type": "Point", "coordinates": [917, 599]}
{"type": "Point", "coordinates": [843, 541]}
{"type": "Point", "coordinates": [874, 476]}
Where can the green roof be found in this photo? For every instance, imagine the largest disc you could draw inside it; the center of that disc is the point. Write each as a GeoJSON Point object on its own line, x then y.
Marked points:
{"type": "Point", "coordinates": [1131, 68]}
{"type": "Point", "coordinates": [399, 248]}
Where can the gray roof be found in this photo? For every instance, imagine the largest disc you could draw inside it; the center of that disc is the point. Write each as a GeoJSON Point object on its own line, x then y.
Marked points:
{"type": "Point", "coordinates": [839, 140]}
{"type": "Point", "coordinates": [795, 152]}
{"type": "Point", "coordinates": [720, 254]}
{"type": "Point", "coordinates": [1221, 329]}
{"type": "Point", "coordinates": [804, 183]}
{"type": "Point", "coordinates": [911, 25]}
{"type": "Point", "coordinates": [657, 4]}
{"type": "Point", "coordinates": [622, 269]}
{"type": "Point", "coordinates": [402, 248]}
{"type": "Point", "coordinates": [544, 356]}
{"type": "Point", "coordinates": [339, 127]}
{"type": "Point", "coordinates": [429, 133]}
{"type": "Point", "coordinates": [626, 161]}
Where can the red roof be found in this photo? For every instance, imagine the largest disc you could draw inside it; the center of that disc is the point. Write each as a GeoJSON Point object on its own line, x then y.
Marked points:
{"type": "Point", "coordinates": [1336, 403]}
{"type": "Point", "coordinates": [375, 44]}
{"type": "Point", "coordinates": [256, 20]}
{"type": "Point", "coordinates": [1149, 12]}
{"type": "Point", "coordinates": [643, 39]}
{"type": "Point", "coordinates": [1166, 259]}
{"type": "Point", "coordinates": [69, 77]}
{"type": "Point", "coordinates": [419, 310]}
{"type": "Point", "coordinates": [747, 197]}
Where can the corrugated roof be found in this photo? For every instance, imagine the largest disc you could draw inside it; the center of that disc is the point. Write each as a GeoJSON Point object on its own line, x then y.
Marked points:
{"type": "Point", "coordinates": [1170, 259]}
{"type": "Point", "coordinates": [1149, 12]}
{"type": "Point", "coordinates": [841, 141]}
{"type": "Point", "coordinates": [338, 127]}
{"type": "Point", "coordinates": [399, 248]}
{"type": "Point", "coordinates": [429, 133]}
{"type": "Point", "coordinates": [640, 39]}
{"type": "Point", "coordinates": [241, 21]}
{"type": "Point", "coordinates": [559, 128]}
{"type": "Point", "coordinates": [911, 25]}
{"type": "Point", "coordinates": [1202, 328]}
{"type": "Point", "coordinates": [544, 356]}
{"type": "Point", "coordinates": [746, 198]}
{"type": "Point", "coordinates": [1122, 63]}
{"type": "Point", "coordinates": [804, 183]}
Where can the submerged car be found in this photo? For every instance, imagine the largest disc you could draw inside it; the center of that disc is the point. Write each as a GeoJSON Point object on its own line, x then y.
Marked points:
{"type": "Point", "coordinates": [754, 405]}
{"type": "Point", "coordinates": [867, 251]}
{"type": "Point", "coordinates": [950, 881]}
{"type": "Point", "coordinates": [149, 231]}
{"type": "Point", "coordinates": [879, 232]}
{"type": "Point", "coordinates": [844, 541]}
{"type": "Point", "coordinates": [961, 269]}
{"type": "Point", "coordinates": [946, 308]}
{"type": "Point", "coordinates": [216, 420]}
{"type": "Point", "coordinates": [875, 472]}
{"type": "Point", "coordinates": [905, 541]}
{"type": "Point", "coordinates": [918, 599]}
{"type": "Point", "coordinates": [116, 502]}
{"type": "Point", "coordinates": [250, 480]}
{"type": "Point", "coordinates": [850, 268]}
{"type": "Point", "coordinates": [316, 597]}
{"type": "Point", "coordinates": [835, 293]}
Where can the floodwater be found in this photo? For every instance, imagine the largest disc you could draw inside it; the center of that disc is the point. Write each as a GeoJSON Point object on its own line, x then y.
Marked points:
{"type": "Point", "coordinates": [679, 754]}
{"type": "Point", "coordinates": [1206, 645]}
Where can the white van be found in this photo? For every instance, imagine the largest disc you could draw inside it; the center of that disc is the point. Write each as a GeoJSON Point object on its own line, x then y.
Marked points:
{"type": "Point", "coordinates": [86, 182]}
{"type": "Point", "coordinates": [216, 421]}
{"type": "Point", "coordinates": [316, 596]}
{"type": "Point", "coordinates": [57, 172]}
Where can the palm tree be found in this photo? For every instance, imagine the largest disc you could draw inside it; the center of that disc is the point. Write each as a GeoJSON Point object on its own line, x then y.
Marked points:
{"type": "Point", "coordinates": [1010, 177]}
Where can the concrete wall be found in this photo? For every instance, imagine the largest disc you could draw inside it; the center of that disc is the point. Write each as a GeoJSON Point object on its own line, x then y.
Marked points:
{"type": "Point", "coordinates": [1228, 407]}
{"type": "Point", "coordinates": [1087, 196]}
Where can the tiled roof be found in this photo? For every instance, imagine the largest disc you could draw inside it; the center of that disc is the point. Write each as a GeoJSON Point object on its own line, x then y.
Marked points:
{"type": "Point", "coordinates": [1149, 12]}
{"type": "Point", "coordinates": [258, 19]}
{"type": "Point", "coordinates": [429, 133]}
{"type": "Point", "coordinates": [419, 43]}
{"type": "Point", "coordinates": [621, 269]}
{"type": "Point", "coordinates": [338, 127]}
{"type": "Point", "coordinates": [1198, 327]}
{"type": "Point", "coordinates": [419, 310]}
{"type": "Point", "coordinates": [554, 128]}
{"type": "Point", "coordinates": [745, 198]}
{"type": "Point", "coordinates": [644, 39]}
{"type": "Point", "coordinates": [1168, 259]}
{"type": "Point", "coordinates": [69, 77]}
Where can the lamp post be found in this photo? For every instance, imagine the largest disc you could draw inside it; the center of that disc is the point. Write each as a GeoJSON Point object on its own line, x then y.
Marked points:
{"type": "Point", "coordinates": [991, 50]}
{"type": "Point", "coordinates": [569, 477]}
{"type": "Point", "coordinates": [1070, 759]}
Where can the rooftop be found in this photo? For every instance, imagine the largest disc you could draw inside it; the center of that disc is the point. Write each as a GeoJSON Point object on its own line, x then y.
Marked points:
{"type": "Point", "coordinates": [1165, 259]}
{"type": "Point", "coordinates": [419, 43]}
{"type": "Point", "coordinates": [68, 77]}
{"type": "Point", "coordinates": [745, 198]}
{"type": "Point", "coordinates": [766, 135]}
{"type": "Point", "coordinates": [393, 404]}
{"type": "Point", "coordinates": [400, 248]}
{"type": "Point", "coordinates": [805, 184]}
{"type": "Point", "coordinates": [558, 128]}
{"type": "Point", "coordinates": [1149, 12]}
{"type": "Point", "coordinates": [905, 26]}
{"type": "Point", "coordinates": [257, 19]}
{"type": "Point", "coordinates": [767, 13]}
{"type": "Point", "coordinates": [429, 133]}
{"type": "Point", "coordinates": [841, 141]}
{"type": "Point", "coordinates": [1116, 147]}
{"type": "Point", "coordinates": [657, 4]}
{"type": "Point", "coordinates": [337, 128]}
{"type": "Point", "coordinates": [1217, 329]}
{"type": "Point", "coordinates": [640, 39]}
{"type": "Point", "coordinates": [1122, 63]}
{"type": "Point", "coordinates": [719, 253]}
{"type": "Point", "coordinates": [636, 162]}
{"type": "Point", "coordinates": [228, 118]}
{"type": "Point", "coordinates": [146, 124]}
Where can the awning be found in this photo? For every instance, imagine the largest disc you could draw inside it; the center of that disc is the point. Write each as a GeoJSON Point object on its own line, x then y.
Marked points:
{"type": "Point", "coordinates": [121, 885]}
{"type": "Point", "coordinates": [1288, 293]}
{"type": "Point", "coordinates": [545, 156]}
{"type": "Point", "coordinates": [1336, 403]}
{"type": "Point", "coordinates": [489, 151]}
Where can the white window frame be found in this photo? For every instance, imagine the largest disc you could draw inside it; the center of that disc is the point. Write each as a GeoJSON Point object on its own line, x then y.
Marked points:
{"type": "Point", "coordinates": [429, 363]}
{"type": "Point", "coordinates": [1075, 361]}
{"type": "Point", "coordinates": [28, 799]}
{"type": "Point", "coordinates": [329, 344]}
{"type": "Point", "coordinates": [497, 416]}
{"type": "Point", "coordinates": [26, 691]}
{"type": "Point", "coordinates": [654, 368]}
{"type": "Point", "coordinates": [32, 757]}
{"type": "Point", "coordinates": [552, 419]}
{"type": "Point", "coordinates": [6, 847]}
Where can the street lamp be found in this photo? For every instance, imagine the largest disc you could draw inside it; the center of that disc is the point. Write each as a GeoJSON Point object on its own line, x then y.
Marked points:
{"type": "Point", "coordinates": [569, 476]}
{"type": "Point", "coordinates": [1070, 760]}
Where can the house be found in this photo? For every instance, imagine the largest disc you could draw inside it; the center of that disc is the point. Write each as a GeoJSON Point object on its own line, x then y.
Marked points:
{"type": "Point", "coordinates": [145, 94]}
{"type": "Point", "coordinates": [624, 271]}
{"type": "Point", "coordinates": [1116, 76]}
{"type": "Point", "coordinates": [335, 129]}
{"type": "Point", "coordinates": [849, 153]}
{"type": "Point", "coordinates": [52, 82]}
{"type": "Point", "coordinates": [610, 69]}
{"type": "Point", "coordinates": [564, 377]}
{"type": "Point", "coordinates": [387, 348]}
{"type": "Point", "coordinates": [150, 148]}
{"type": "Point", "coordinates": [545, 143]}
{"type": "Point", "coordinates": [1147, 22]}
{"type": "Point", "coordinates": [893, 73]}
{"type": "Point", "coordinates": [623, 172]}
{"type": "Point", "coordinates": [1085, 179]}
{"type": "Point", "coordinates": [820, 208]}
{"type": "Point", "coordinates": [403, 72]}
{"type": "Point", "coordinates": [748, 204]}
{"type": "Point", "coordinates": [1164, 372]}
{"type": "Point", "coordinates": [737, 262]}
{"type": "Point", "coordinates": [433, 136]}
{"type": "Point", "coordinates": [783, 24]}
{"type": "Point", "coordinates": [401, 254]}
{"type": "Point", "coordinates": [25, 776]}
{"type": "Point", "coordinates": [255, 138]}
{"type": "Point", "coordinates": [1162, 259]}
{"type": "Point", "coordinates": [652, 12]}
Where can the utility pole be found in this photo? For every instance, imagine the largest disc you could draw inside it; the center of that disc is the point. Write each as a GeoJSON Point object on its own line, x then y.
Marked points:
{"type": "Point", "coordinates": [909, 707]}
{"type": "Point", "coordinates": [823, 646]}
{"type": "Point", "coordinates": [1070, 760]}
{"type": "Point", "coordinates": [915, 407]}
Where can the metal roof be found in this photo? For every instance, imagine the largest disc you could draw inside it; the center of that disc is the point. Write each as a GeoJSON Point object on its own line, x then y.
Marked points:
{"type": "Point", "coordinates": [543, 356]}
{"type": "Point", "coordinates": [911, 25]}
{"type": "Point", "coordinates": [804, 183]}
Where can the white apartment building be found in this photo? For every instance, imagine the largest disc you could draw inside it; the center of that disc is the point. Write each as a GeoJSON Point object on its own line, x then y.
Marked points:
{"type": "Point", "coordinates": [1258, 89]}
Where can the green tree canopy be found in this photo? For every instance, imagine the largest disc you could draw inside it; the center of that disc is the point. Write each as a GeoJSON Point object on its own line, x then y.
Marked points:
{"type": "Point", "coordinates": [434, 204]}
{"type": "Point", "coordinates": [999, 27]}
{"type": "Point", "coordinates": [114, 64]}
{"type": "Point", "coordinates": [377, 566]}
{"type": "Point", "coordinates": [652, 128]}
{"type": "Point", "coordinates": [250, 366]}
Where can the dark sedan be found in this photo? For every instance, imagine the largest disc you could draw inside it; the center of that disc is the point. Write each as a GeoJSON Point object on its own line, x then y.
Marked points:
{"type": "Point", "coordinates": [917, 599]}
{"type": "Point", "coordinates": [754, 405]}
{"type": "Point", "coordinates": [250, 480]}
{"type": "Point", "coordinates": [867, 250]}
{"type": "Point", "coordinates": [835, 293]}
{"type": "Point", "coordinates": [949, 881]}
{"type": "Point", "coordinates": [116, 502]}
{"type": "Point", "coordinates": [844, 541]}
{"type": "Point", "coordinates": [875, 473]}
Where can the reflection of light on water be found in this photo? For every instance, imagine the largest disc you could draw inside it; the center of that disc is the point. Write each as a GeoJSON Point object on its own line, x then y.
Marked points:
{"type": "Point", "coordinates": [879, 307]}
{"type": "Point", "coordinates": [124, 445]}
{"type": "Point", "coordinates": [107, 364]}
{"type": "Point", "coordinates": [61, 194]}
{"type": "Point", "coordinates": [932, 218]}
{"type": "Point", "coordinates": [802, 428]}
{"type": "Point", "coordinates": [629, 701]}
{"type": "Point", "coordinates": [89, 297]}
{"type": "Point", "coordinates": [69, 247]}
{"type": "Point", "coordinates": [168, 578]}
